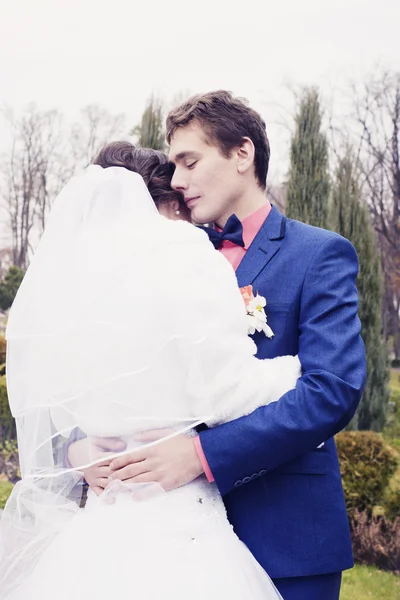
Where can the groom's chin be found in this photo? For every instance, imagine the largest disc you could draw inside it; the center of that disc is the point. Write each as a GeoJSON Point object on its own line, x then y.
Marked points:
{"type": "Point", "coordinates": [198, 219]}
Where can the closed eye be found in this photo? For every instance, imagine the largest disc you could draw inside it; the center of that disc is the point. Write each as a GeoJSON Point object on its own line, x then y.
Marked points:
{"type": "Point", "coordinates": [191, 165]}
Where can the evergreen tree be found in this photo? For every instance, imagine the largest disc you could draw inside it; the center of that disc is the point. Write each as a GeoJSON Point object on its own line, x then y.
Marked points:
{"type": "Point", "coordinates": [350, 218]}
{"type": "Point", "coordinates": [150, 132]}
{"type": "Point", "coordinates": [9, 287]}
{"type": "Point", "coordinates": [308, 184]}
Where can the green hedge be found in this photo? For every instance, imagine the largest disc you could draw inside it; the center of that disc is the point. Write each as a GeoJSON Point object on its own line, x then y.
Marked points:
{"type": "Point", "coordinates": [9, 461]}
{"type": "Point", "coordinates": [391, 500]}
{"type": "Point", "coordinates": [367, 464]}
{"type": "Point", "coordinates": [391, 432]}
{"type": "Point", "coordinates": [5, 491]}
{"type": "Point", "coordinates": [2, 349]}
{"type": "Point", "coordinates": [7, 423]}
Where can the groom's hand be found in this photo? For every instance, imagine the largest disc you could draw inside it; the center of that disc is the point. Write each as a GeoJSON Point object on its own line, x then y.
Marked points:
{"type": "Point", "coordinates": [171, 463]}
{"type": "Point", "coordinates": [90, 449]}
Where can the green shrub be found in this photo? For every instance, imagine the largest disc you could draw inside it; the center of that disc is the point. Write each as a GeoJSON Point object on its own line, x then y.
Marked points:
{"type": "Point", "coordinates": [367, 463]}
{"type": "Point", "coordinates": [9, 286]}
{"type": "Point", "coordinates": [391, 502]}
{"type": "Point", "coordinates": [9, 461]}
{"type": "Point", "coordinates": [5, 491]}
{"type": "Point", "coordinates": [2, 349]}
{"type": "Point", "coordinates": [391, 432]}
{"type": "Point", "coordinates": [7, 422]}
{"type": "Point", "coordinates": [395, 380]}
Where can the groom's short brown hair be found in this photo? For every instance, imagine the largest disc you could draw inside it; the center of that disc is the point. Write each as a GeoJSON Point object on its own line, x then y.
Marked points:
{"type": "Point", "coordinates": [226, 120]}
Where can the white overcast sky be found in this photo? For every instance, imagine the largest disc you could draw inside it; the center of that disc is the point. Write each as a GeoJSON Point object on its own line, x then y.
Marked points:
{"type": "Point", "coordinates": [67, 53]}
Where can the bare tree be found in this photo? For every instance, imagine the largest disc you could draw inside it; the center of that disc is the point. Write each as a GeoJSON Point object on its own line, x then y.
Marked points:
{"type": "Point", "coordinates": [277, 195]}
{"type": "Point", "coordinates": [30, 178]}
{"type": "Point", "coordinates": [40, 160]}
{"type": "Point", "coordinates": [95, 128]}
{"type": "Point", "coordinates": [377, 115]}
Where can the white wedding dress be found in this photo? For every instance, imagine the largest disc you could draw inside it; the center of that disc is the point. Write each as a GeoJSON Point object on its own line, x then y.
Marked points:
{"type": "Point", "coordinates": [173, 545]}
{"type": "Point", "coordinates": [176, 545]}
{"type": "Point", "coordinates": [191, 321]}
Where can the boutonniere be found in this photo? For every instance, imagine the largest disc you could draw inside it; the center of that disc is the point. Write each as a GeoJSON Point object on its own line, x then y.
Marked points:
{"type": "Point", "coordinates": [256, 316]}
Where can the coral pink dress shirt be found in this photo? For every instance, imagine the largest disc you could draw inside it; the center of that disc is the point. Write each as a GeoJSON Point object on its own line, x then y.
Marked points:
{"type": "Point", "coordinates": [251, 226]}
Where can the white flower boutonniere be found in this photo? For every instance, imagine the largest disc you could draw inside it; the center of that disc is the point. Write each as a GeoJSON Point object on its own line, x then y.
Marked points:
{"type": "Point", "coordinates": [255, 311]}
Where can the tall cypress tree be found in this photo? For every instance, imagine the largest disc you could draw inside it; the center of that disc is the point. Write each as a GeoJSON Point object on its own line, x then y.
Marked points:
{"type": "Point", "coordinates": [308, 184]}
{"type": "Point", "coordinates": [9, 286]}
{"type": "Point", "coordinates": [350, 218]}
{"type": "Point", "coordinates": [150, 131]}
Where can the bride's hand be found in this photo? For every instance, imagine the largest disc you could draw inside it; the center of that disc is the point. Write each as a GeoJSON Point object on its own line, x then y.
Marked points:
{"type": "Point", "coordinates": [95, 449]}
{"type": "Point", "coordinates": [97, 476]}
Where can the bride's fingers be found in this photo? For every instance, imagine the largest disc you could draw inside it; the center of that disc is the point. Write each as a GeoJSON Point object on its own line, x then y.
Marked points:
{"type": "Point", "coordinates": [103, 470]}
{"type": "Point", "coordinates": [129, 472]}
{"type": "Point", "coordinates": [102, 482]}
{"type": "Point", "coordinates": [96, 472]}
{"type": "Point", "coordinates": [105, 464]}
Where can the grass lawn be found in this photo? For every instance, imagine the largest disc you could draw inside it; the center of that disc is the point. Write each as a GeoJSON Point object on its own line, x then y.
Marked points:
{"type": "Point", "coordinates": [363, 583]}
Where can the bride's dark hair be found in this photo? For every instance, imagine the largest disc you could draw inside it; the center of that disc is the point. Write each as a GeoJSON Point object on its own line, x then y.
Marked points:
{"type": "Point", "coordinates": [152, 165]}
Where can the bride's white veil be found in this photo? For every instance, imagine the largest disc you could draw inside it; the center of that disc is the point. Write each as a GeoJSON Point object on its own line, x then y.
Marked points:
{"type": "Point", "coordinates": [95, 346]}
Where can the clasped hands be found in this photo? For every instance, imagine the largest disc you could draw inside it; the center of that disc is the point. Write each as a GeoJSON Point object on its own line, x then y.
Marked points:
{"type": "Point", "coordinates": [171, 463]}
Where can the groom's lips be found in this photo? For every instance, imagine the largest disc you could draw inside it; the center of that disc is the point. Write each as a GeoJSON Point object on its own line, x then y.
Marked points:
{"type": "Point", "coordinates": [191, 201]}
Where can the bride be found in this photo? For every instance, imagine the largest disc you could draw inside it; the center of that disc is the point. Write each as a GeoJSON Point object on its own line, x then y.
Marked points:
{"type": "Point", "coordinates": [127, 321]}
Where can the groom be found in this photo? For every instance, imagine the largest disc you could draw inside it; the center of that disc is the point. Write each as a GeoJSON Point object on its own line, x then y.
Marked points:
{"type": "Point", "coordinates": [277, 468]}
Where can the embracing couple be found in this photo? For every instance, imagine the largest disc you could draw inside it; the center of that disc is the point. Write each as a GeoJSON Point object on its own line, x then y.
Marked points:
{"type": "Point", "coordinates": [192, 377]}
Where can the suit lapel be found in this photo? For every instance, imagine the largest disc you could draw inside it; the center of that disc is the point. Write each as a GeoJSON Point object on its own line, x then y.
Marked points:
{"type": "Point", "coordinates": [263, 248]}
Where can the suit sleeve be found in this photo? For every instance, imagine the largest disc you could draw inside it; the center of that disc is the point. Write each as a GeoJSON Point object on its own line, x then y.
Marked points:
{"type": "Point", "coordinates": [325, 398]}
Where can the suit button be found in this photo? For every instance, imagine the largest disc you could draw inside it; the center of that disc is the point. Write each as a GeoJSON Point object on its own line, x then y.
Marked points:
{"type": "Point", "coordinates": [246, 479]}
{"type": "Point", "coordinates": [262, 472]}
{"type": "Point", "coordinates": [238, 483]}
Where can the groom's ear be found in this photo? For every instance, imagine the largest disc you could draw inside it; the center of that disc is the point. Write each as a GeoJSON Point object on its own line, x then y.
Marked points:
{"type": "Point", "coordinates": [245, 155]}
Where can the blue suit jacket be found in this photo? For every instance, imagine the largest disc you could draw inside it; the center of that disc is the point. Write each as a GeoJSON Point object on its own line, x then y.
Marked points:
{"type": "Point", "coordinates": [283, 494]}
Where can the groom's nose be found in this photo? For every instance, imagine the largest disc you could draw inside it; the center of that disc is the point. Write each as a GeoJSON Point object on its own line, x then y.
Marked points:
{"type": "Point", "coordinates": [178, 181]}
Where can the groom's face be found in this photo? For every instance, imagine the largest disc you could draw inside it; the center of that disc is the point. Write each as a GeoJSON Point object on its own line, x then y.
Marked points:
{"type": "Point", "coordinates": [208, 180]}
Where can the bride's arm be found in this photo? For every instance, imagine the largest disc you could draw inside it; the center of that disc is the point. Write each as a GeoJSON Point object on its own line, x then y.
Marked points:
{"type": "Point", "coordinates": [209, 306]}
